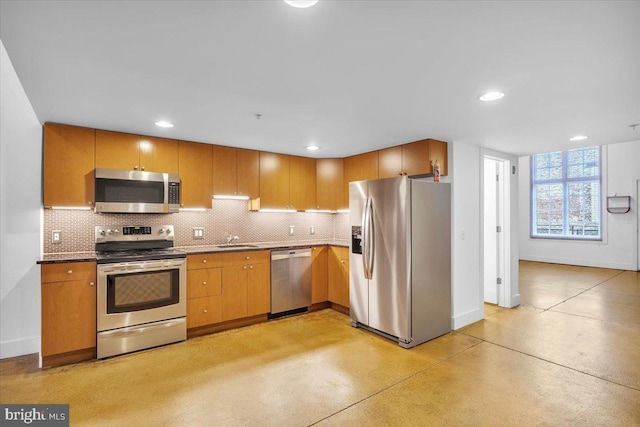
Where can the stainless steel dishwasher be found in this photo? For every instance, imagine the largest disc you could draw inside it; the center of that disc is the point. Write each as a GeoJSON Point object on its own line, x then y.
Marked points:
{"type": "Point", "coordinates": [290, 281]}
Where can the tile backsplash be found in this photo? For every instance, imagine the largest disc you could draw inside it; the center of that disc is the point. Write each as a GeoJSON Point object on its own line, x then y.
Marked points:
{"type": "Point", "coordinates": [226, 217]}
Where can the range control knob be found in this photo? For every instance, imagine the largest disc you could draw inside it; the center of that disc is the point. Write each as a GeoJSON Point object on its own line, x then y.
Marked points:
{"type": "Point", "coordinates": [116, 231]}
{"type": "Point", "coordinates": [101, 232]}
{"type": "Point", "coordinates": [162, 230]}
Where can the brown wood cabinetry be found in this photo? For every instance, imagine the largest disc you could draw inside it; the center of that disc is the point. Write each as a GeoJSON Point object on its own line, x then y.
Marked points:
{"type": "Point", "coordinates": [68, 311]}
{"type": "Point", "coordinates": [415, 158]}
{"type": "Point", "coordinates": [274, 181]}
{"type": "Point", "coordinates": [330, 184]}
{"type": "Point", "coordinates": [195, 168]}
{"type": "Point", "coordinates": [236, 172]}
{"type": "Point", "coordinates": [116, 150]}
{"type": "Point", "coordinates": [246, 284]}
{"type": "Point", "coordinates": [204, 290]}
{"type": "Point", "coordinates": [359, 168]}
{"type": "Point", "coordinates": [302, 183]}
{"type": "Point", "coordinates": [338, 275]}
{"type": "Point", "coordinates": [319, 274]}
{"type": "Point", "coordinates": [69, 156]}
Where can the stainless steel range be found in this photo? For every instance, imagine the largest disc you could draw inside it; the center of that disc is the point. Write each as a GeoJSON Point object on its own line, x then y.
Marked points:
{"type": "Point", "coordinates": [142, 289]}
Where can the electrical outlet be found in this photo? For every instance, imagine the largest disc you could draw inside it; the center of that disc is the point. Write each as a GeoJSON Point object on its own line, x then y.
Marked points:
{"type": "Point", "coordinates": [312, 229]}
{"type": "Point", "coordinates": [56, 236]}
{"type": "Point", "coordinates": [198, 233]}
{"type": "Point", "coordinates": [291, 230]}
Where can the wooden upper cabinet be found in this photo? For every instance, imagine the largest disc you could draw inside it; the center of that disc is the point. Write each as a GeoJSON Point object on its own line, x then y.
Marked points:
{"type": "Point", "coordinates": [248, 173]}
{"type": "Point", "coordinates": [274, 181]}
{"type": "Point", "coordinates": [69, 153]}
{"type": "Point", "coordinates": [390, 162]}
{"type": "Point", "coordinates": [330, 183]}
{"type": "Point", "coordinates": [236, 171]}
{"type": "Point", "coordinates": [359, 168]}
{"type": "Point", "coordinates": [302, 183]}
{"type": "Point", "coordinates": [116, 150]}
{"type": "Point", "coordinates": [195, 168]}
{"type": "Point", "coordinates": [224, 170]}
{"type": "Point", "coordinates": [418, 157]}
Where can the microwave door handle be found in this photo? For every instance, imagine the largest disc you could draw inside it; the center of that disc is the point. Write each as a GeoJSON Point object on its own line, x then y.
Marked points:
{"type": "Point", "coordinates": [165, 178]}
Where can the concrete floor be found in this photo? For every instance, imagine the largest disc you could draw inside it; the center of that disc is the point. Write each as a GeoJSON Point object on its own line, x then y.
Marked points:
{"type": "Point", "coordinates": [569, 355]}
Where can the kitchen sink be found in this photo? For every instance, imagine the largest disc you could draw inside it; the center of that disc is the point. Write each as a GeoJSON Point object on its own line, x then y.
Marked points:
{"type": "Point", "coordinates": [231, 246]}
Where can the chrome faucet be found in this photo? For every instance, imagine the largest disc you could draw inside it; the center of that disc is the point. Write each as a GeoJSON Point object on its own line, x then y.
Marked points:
{"type": "Point", "coordinates": [231, 238]}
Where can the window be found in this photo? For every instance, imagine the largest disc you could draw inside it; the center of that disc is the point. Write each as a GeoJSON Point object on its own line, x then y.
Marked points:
{"type": "Point", "coordinates": [565, 194]}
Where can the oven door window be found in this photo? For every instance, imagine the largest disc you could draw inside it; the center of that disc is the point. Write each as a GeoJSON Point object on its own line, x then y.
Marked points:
{"type": "Point", "coordinates": [123, 191]}
{"type": "Point", "coordinates": [142, 291]}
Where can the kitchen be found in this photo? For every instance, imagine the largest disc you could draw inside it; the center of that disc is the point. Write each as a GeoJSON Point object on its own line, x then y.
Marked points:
{"type": "Point", "coordinates": [26, 213]}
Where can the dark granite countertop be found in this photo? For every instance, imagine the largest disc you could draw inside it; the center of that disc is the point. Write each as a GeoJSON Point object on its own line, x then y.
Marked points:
{"type": "Point", "coordinates": [190, 250]}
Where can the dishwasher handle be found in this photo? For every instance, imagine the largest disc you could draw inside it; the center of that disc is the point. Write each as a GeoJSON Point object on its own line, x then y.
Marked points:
{"type": "Point", "coordinates": [305, 253]}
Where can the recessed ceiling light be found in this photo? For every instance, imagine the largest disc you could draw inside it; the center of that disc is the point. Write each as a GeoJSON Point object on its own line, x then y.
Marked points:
{"type": "Point", "coordinates": [312, 147]}
{"type": "Point", "coordinates": [301, 3]}
{"type": "Point", "coordinates": [164, 124]}
{"type": "Point", "coordinates": [491, 96]}
{"type": "Point", "coordinates": [578, 138]}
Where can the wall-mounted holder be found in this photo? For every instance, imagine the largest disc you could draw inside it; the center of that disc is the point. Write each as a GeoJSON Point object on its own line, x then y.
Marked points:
{"type": "Point", "coordinates": [618, 204]}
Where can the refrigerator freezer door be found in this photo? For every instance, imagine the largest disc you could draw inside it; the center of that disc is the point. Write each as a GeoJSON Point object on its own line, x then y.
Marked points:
{"type": "Point", "coordinates": [389, 287]}
{"type": "Point", "coordinates": [358, 284]}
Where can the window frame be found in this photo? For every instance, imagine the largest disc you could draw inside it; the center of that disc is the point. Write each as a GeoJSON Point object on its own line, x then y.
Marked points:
{"type": "Point", "coordinates": [565, 181]}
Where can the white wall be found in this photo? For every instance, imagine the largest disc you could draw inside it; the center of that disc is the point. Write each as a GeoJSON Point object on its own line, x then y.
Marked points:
{"type": "Point", "coordinates": [618, 247]}
{"type": "Point", "coordinates": [467, 294]}
{"type": "Point", "coordinates": [20, 216]}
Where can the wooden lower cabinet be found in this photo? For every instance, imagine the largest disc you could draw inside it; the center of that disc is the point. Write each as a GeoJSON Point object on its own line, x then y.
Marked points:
{"type": "Point", "coordinates": [68, 310]}
{"type": "Point", "coordinates": [237, 286]}
{"type": "Point", "coordinates": [338, 275]}
{"type": "Point", "coordinates": [319, 274]}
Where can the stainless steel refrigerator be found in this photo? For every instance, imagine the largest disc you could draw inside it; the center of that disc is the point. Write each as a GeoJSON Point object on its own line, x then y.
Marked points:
{"type": "Point", "coordinates": [400, 258]}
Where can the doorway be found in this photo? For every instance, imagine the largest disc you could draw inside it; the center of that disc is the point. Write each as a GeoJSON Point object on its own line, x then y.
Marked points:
{"type": "Point", "coordinates": [496, 231]}
{"type": "Point", "coordinates": [638, 224]}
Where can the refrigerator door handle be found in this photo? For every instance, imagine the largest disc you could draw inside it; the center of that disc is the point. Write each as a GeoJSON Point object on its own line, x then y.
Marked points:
{"type": "Point", "coordinates": [365, 240]}
{"type": "Point", "coordinates": [371, 246]}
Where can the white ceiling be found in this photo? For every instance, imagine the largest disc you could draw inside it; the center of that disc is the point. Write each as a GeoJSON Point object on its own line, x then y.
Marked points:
{"type": "Point", "coordinates": [350, 76]}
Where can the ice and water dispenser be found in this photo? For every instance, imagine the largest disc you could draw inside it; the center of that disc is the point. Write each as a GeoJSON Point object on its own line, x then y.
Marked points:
{"type": "Point", "coordinates": [356, 239]}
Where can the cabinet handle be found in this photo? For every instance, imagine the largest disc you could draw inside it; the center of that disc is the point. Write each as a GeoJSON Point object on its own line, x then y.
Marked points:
{"type": "Point", "coordinates": [69, 271]}
{"type": "Point", "coordinates": [342, 261]}
{"type": "Point", "coordinates": [135, 167]}
{"type": "Point", "coordinates": [92, 283]}
{"type": "Point", "coordinates": [204, 283]}
{"type": "Point", "coordinates": [244, 267]}
{"type": "Point", "coordinates": [143, 168]}
{"type": "Point", "coordinates": [247, 257]}
{"type": "Point", "coordinates": [205, 311]}
{"type": "Point", "coordinates": [251, 267]}
{"type": "Point", "coordinates": [90, 203]}
{"type": "Point", "coordinates": [204, 261]}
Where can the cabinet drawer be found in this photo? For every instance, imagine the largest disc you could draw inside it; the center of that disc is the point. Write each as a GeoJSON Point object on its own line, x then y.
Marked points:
{"type": "Point", "coordinates": [203, 261]}
{"type": "Point", "coordinates": [204, 311]}
{"type": "Point", "coordinates": [248, 257]}
{"type": "Point", "coordinates": [204, 282]}
{"type": "Point", "coordinates": [64, 272]}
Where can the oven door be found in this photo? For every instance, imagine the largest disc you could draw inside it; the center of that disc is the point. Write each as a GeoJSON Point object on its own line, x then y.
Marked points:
{"type": "Point", "coordinates": [136, 293]}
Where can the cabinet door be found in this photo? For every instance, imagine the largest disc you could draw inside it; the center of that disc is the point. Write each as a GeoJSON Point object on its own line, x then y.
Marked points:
{"type": "Point", "coordinates": [415, 158]}
{"type": "Point", "coordinates": [195, 167]}
{"type": "Point", "coordinates": [68, 316]}
{"type": "Point", "coordinates": [115, 150]}
{"type": "Point", "coordinates": [234, 292]}
{"type": "Point", "coordinates": [359, 168]}
{"type": "Point", "coordinates": [334, 275]}
{"type": "Point", "coordinates": [319, 274]}
{"type": "Point", "coordinates": [330, 179]}
{"type": "Point", "coordinates": [224, 170]}
{"type": "Point", "coordinates": [204, 311]}
{"type": "Point", "coordinates": [344, 277]}
{"type": "Point", "coordinates": [438, 151]}
{"type": "Point", "coordinates": [259, 289]}
{"type": "Point", "coordinates": [390, 162]}
{"type": "Point", "coordinates": [158, 154]}
{"type": "Point", "coordinates": [69, 155]}
{"type": "Point", "coordinates": [204, 282]}
{"type": "Point", "coordinates": [302, 182]}
{"type": "Point", "coordinates": [274, 180]}
{"type": "Point", "coordinates": [248, 175]}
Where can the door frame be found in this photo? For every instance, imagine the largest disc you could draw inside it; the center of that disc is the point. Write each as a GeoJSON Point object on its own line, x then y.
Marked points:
{"type": "Point", "coordinates": [508, 295]}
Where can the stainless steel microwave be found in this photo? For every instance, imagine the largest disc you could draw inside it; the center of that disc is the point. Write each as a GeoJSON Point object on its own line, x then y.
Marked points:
{"type": "Point", "coordinates": [124, 191]}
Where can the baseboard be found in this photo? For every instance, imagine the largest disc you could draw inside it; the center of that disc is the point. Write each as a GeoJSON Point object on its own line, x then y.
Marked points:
{"type": "Point", "coordinates": [19, 347]}
{"type": "Point", "coordinates": [580, 262]}
{"type": "Point", "coordinates": [467, 318]}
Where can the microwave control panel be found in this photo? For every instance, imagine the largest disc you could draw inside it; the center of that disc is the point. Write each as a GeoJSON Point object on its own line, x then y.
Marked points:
{"type": "Point", "coordinates": [174, 193]}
